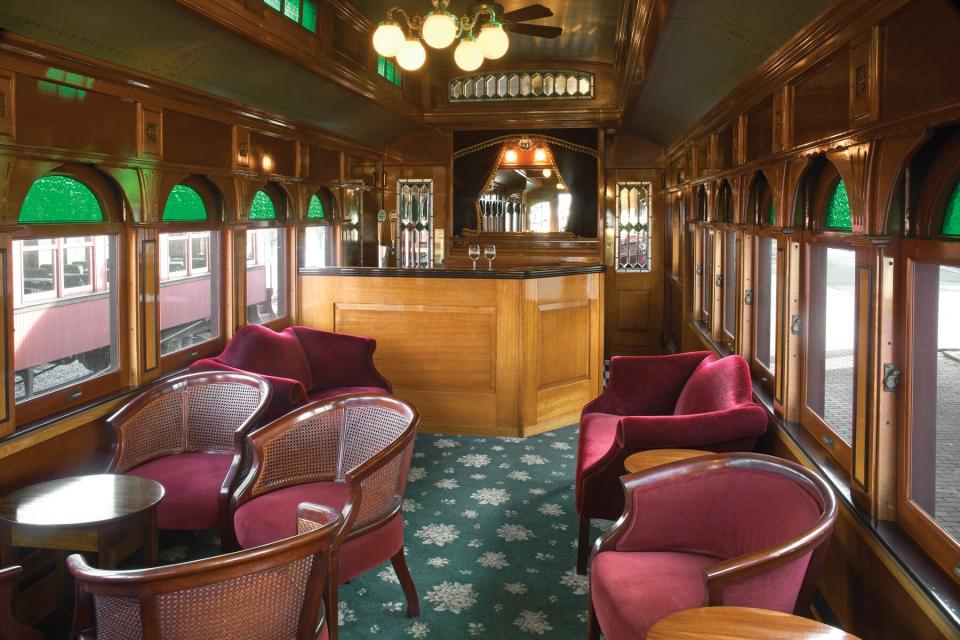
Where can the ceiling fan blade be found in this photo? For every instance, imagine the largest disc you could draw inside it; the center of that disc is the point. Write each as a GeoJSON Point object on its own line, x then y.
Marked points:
{"type": "Point", "coordinates": [536, 30]}
{"type": "Point", "coordinates": [532, 12]}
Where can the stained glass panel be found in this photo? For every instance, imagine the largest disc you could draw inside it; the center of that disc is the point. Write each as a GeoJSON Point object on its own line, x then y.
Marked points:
{"type": "Point", "coordinates": [291, 9]}
{"type": "Point", "coordinates": [838, 208]}
{"type": "Point", "coordinates": [951, 216]}
{"type": "Point", "coordinates": [315, 209]}
{"type": "Point", "coordinates": [309, 16]}
{"type": "Point", "coordinates": [262, 207]}
{"type": "Point", "coordinates": [633, 226]}
{"type": "Point", "coordinates": [59, 199]}
{"type": "Point", "coordinates": [772, 214]}
{"type": "Point", "coordinates": [273, 4]}
{"type": "Point", "coordinates": [184, 205]}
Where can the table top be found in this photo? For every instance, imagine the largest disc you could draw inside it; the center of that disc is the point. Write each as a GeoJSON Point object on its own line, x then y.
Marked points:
{"type": "Point", "coordinates": [643, 460]}
{"type": "Point", "coordinates": [741, 623]}
{"type": "Point", "coordinates": [80, 500]}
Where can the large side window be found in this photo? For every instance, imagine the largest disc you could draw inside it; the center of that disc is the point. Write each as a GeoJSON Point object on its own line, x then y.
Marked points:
{"type": "Point", "coordinates": [266, 259]}
{"type": "Point", "coordinates": [764, 295]}
{"type": "Point", "coordinates": [189, 267]}
{"type": "Point", "coordinates": [66, 306]}
{"type": "Point", "coordinates": [317, 246]}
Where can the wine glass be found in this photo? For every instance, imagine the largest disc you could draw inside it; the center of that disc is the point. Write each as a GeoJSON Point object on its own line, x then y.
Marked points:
{"type": "Point", "coordinates": [490, 252]}
{"type": "Point", "coordinates": [473, 251]}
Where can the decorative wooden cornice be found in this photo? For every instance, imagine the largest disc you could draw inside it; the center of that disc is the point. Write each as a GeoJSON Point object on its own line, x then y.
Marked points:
{"type": "Point", "coordinates": [640, 25]}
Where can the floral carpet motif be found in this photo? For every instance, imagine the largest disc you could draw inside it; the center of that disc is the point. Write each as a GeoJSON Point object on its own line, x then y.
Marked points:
{"type": "Point", "coordinates": [491, 544]}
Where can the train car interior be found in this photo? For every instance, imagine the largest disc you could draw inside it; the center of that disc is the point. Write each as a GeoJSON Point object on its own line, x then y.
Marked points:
{"type": "Point", "coordinates": [454, 319]}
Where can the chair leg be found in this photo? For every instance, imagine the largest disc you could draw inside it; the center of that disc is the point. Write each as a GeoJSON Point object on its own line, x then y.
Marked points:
{"type": "Point", "coordinates": [593, 625]}
{"type": "Point", "coordinates": [332, 602]}
{"type": "Point", "coordinates": [399, 561]}
{"type": "Point", "coordinates": [583, 545]}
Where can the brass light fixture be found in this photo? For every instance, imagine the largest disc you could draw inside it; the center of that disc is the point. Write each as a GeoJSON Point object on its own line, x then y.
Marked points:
{"type": "Point", "coordinates": [439, 29]}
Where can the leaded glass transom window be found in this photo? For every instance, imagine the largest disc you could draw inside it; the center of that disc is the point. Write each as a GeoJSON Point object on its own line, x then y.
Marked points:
{"type": "Point", "coordinates": [60, 199]}
{"type": "Point", "coordinates": [772, 214]}
{"type": "Point", "coordinates": [184, 205]}
{"type": "Point", "coordinates": [303, 12]}
{"type": "Point", "coordinates": [387, 69]}
{"type": "Point", "coordinates": [315, 209]}
{"type": "Point", "coordinates": [262, 207]}
{"type": "Point", "coordinates": [951, 215]}
{"type": "Point", "coordinates": [633, 226]}
{"type": "Point", "coordinates": [838, 208]}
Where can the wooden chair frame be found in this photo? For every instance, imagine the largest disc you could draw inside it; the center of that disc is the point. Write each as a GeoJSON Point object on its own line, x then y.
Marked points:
{"type": "Point", "coordinates": [179, 383]}
{"type": "Point", "coordinates": [354, 478]}
{"type": "Point", "coordinates": [718, 576]}
{"type": "Point", "coordinates": [318, 526]}
{"type": "Point", "coordinates": [10, 627]}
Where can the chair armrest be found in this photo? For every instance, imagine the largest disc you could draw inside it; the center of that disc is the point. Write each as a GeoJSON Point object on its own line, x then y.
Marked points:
{"type": "Point", "coordinates": [635, 433]}
{"type": "Point", "coordinates": [286, 393]}
{"type": "Point", "coordinates": [302, 446]}
{"type": "Point", "coordinates": [381, 481]}
{"type": "Point", "coordinates": [10, 627]}
{"type": "Point", "coordinates": [149, 426]}
{"type": "Point", "coordinates": [340, 360]}
{"type": "Point", "coordinates": [645, 385]}
{"type": "Point", "coordinates": [311, 517]}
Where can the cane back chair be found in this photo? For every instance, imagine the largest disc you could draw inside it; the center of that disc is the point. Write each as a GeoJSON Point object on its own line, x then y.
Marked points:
{"type": "Point", "coordinates": [187, 434]}
{"type": "Point", "coordinates": [351, 452]}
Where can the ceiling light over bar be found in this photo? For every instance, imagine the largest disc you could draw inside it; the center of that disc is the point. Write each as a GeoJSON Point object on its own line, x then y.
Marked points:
{"type": "Point", "coordinates": [439, 30]}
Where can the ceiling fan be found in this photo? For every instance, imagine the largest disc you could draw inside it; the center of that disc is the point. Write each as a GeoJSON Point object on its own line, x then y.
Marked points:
{"type": "Point", "coordinates": [515, 21]}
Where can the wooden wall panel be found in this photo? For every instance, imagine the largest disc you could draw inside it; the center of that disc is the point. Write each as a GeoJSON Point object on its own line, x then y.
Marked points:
{"type": "Point", "coordinates": [921, 57]}
{"type": "Point", "coordinates": [820, 100]}
{"type": "Point", "coordinates": [760, 130]}
{"type": "Point", "coordinates": [192, 140]}
{"type": "Point", "coordinates": [86, 119]}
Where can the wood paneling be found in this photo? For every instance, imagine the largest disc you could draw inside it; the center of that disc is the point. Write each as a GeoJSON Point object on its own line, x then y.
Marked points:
{"type": "Point", "coordinates": [760, 130]}
{"type": "Point", "coordinates": [474, 356]}
{"type": "Point", "coordinates": [820, 100]}
{"type": "Point", "coordinates": [189, 139]}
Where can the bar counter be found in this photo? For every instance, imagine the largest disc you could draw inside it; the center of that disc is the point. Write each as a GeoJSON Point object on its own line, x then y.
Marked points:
{"type": "Point", "coordinates": [510, 352]}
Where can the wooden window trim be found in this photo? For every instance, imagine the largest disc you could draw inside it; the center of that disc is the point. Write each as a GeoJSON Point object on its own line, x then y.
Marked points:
{"type": "Point", "coordinates": [761, 373]}
{"type": "Point", "coordinates": [731, 285]}
{"type": "Point", "coordinates": [943, 549]}
{"type": "Point", "coordinates": [285, 231]}
{"type": "Point", "coordinates": [841, 451]}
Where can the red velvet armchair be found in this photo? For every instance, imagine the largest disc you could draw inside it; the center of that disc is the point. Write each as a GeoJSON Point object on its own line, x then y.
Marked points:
{"type": "Point", "coordinates": [685, 401]}
{"type": "Point", "coordinates": [186, 433]}
{"type": "Point", "coordinates": [301, 364]}
{"type": "Point", "coordinates": [739, 529]}
{"type": "Point", "coordinates": [273, 591]}
{"type": "Point", "coordinates": [351, 452]}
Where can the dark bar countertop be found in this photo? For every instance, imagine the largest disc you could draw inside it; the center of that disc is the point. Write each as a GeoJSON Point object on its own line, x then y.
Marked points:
{"type": "Point", "coordinates": [482, 273]}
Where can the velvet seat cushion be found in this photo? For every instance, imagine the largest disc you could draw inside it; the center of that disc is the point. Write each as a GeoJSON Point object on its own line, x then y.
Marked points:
{"type": "Point", "coordinates": [272, 516]}
{"type": "Point", "coordinates": [631, 591]}
{"type": "Point", "coordinates": [716, 385]}
{"type": "Point", "coordinates": [191, 484]}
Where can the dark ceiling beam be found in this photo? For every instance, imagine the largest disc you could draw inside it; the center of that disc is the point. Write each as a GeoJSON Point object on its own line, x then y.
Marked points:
{"type": "Point", "coordinates": [640, 25]}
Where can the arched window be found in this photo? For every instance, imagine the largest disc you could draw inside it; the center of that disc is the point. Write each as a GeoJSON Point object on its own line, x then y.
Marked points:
{"type": "Point", "coordinates": [316, 239]}
{"type": "Point", "coordinates": [189, 268]}
{"type": "Point", "coordinates": [60, 200]}
{"type": "Point", "coordinates": [838, 208]}
{"type": "Point", "coordinates": [66, 306]}
{"type": "Point", "coordinates": [772, 214]}
{"type": "Point", "coordinates": [951, 214]}
{"type": "Point", "coordinates": [266, 256]}
{"type": "Point", "coordinates": [315, 210]}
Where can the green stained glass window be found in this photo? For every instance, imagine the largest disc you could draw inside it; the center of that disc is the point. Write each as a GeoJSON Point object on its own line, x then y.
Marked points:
{"type": "Point", "coordinates": [262, 207]}
{"type": "Point", "coordinates": [951, 216]}
{"type": "Point", "coordinates": [273, 4]}
{"type": "Point", "coordinates": [772, 214]}
{"type": "Point", "coordinates": [315, 210]}
{"type": "Point", "coordinates": [838, 208]}
{"type": "Point", "coordinates": [308, 17]}
{"type": "Point", "coordinates": [59, 199]}
{"type": "Point", "coordinates": [184, 205]}
{"type": "Point", "coordinates": [291, 9]}
{"type": "Point", "coordinates": [381, 66]}
{"type": "Point", "coordinates": [391, 70]}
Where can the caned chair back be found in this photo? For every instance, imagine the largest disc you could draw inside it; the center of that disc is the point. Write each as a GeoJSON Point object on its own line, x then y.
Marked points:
{"type": "Point", "coordinates": [271, 592]}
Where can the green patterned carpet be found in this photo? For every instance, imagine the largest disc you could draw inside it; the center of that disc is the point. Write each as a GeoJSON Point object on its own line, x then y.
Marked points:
{"type": "Point", "coordinates": [491, 544]}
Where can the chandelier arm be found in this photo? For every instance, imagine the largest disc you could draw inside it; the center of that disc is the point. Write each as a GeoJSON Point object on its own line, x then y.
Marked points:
{"type": "Point", "coordinates": [414, 24]}
{"type": "Point", "coordinates": [468, 23]}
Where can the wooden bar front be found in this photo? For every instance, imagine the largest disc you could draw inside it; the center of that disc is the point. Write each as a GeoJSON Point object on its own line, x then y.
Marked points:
{"type": "Point", "coordinates": [508, 353]}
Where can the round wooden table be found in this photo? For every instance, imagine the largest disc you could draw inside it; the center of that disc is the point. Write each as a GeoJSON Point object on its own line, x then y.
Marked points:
{"type": "Point", "coordinates": [741, 623]}
{"type": "Point", "coordinates": [643, 460]}
{"type": "Point", "coordinates": [106, 514]}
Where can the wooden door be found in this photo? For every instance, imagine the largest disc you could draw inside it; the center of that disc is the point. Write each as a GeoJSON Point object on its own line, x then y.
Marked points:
{"type": "Point", "coordinates": [634, 256]}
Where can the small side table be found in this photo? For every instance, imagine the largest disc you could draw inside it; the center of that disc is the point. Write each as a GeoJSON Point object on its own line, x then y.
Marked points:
{"type": "Point", "coordinates": [741, 623]}
{"type": "Point", "coordinates": [643, 460]}
{"type": "Point", "coordinates": [110, 515]}
{"type": "Point", "coordinates": [96, 513]}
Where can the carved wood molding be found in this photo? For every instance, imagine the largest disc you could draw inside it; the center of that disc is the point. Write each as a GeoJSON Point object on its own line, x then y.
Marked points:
{"type": "Point", "coordinates": [852, 164]}
{"type": "Point", "coordinates": [641, 23]}
{"type": "Point", "coordinates": [888, 163]}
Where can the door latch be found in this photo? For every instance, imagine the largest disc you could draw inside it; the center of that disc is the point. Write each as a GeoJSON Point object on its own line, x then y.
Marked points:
{"type": "Point", "coordinates": [748, 297]}
{"type": "Point", "coordinates": [891, 376]}
{"type": "Point", "coordinates": [719, 281]}
{"type": "Point", "coordinates": [699, 269]}
{"type": "Point", "coordinates": [795, 325]}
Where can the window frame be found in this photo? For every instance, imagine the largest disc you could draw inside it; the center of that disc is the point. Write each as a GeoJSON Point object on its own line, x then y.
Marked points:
{"type": "Point", "coordinates": [329, 209]}
{"type": "Point", "coordinates": [764, 376]}
{"type": "Point", "coordinates": [287, 234]}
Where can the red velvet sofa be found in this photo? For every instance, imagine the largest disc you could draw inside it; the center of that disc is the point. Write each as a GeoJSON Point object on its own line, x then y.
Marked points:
{"type": "Point", "coordinates": [301, 364]}
{"type": "Point", "coordinates": [685, 401]}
